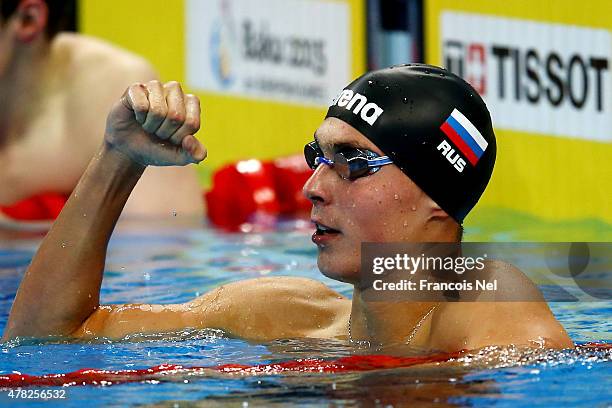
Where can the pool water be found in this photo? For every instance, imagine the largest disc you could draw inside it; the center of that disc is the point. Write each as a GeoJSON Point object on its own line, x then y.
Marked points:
{"type": "Point", "coordinates": [174, 265]}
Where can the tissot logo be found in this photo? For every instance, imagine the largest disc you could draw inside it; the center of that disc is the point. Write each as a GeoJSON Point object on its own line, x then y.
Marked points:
{"type": "Point", "coordinates": [529, 74]}
{"type": "Point", "coordinates": [358, 104]}
{"type": "Point", "coordinates": [535, 76]}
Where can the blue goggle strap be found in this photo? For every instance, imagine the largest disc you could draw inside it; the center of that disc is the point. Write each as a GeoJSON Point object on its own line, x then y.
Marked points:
{"type": "Point", "coordinates": [379, 161]}
{"type": "Point", "coordinates": [322, 159]}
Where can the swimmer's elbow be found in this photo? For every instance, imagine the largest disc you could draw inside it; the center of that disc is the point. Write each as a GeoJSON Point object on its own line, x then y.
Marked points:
{"type": "Point", "coordinates": [112, 322]}
{"type": "Point", "coordinates": [119, 321]}
{"type": "Point", "coordinates": [94, 325]}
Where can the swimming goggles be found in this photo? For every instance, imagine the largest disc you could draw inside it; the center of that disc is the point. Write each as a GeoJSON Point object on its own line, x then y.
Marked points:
{"type": "Point", "coordinates": [350, 162]}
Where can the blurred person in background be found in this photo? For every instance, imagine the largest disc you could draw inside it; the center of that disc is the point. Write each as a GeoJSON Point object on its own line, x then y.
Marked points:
{"type": "Point", "coordinates": [50, 125]}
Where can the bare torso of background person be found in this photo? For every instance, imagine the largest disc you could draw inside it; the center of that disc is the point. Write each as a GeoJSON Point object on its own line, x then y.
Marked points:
{"type": "Point", "coordinates": [57, 128]}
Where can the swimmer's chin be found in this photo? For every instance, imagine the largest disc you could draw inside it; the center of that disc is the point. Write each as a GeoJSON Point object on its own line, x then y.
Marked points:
{"type": "Point", "coordinates": [346, 275]}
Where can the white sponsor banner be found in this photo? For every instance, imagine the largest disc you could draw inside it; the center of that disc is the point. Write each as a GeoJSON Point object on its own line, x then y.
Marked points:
{"type": "Point", "coordinates": [288, 50]}
{"type": "Point", "coordinates": [536, 77]}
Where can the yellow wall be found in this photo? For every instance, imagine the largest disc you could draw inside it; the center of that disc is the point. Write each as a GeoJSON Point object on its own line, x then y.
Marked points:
{"type": "Point", "coordinates": [155, 30]}
{"type": "Point", "coordinates": [571, 180]}
{"type": "Point", "coordinates": [552, 177]}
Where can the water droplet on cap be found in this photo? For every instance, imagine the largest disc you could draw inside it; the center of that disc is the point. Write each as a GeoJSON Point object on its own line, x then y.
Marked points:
{"type": "Point", "coordinates": [405, 100]}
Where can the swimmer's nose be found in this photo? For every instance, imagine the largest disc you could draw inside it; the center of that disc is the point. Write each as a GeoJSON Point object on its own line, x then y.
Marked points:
{"type": "Point", "coordinates": [314, 189]}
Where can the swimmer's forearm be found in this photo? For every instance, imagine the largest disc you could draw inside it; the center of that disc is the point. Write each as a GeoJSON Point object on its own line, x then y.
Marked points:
{"type": "Point", "coordinates": [61, 287]}
{"type": "Point", "coordinates": [150, 124]}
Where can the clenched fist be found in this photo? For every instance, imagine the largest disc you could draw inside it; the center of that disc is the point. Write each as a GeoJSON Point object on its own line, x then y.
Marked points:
{"type": "Point", "coordinates": [154, 124]}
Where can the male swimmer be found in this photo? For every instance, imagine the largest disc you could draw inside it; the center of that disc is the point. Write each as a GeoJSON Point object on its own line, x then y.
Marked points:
{"type": "Point", "coordinates": [54, 89]}
{"type": "Point", "coordinates": [380, 176]}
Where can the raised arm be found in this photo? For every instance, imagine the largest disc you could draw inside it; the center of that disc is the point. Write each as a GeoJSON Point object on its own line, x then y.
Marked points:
{"type": "Point", "coordinates": [152, 124]}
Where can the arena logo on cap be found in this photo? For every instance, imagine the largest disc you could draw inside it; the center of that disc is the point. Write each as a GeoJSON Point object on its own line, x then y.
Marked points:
{"type": "Point", "coordinates": [369, 112]}
{"type": "Point", "coordinates": [465, 137]}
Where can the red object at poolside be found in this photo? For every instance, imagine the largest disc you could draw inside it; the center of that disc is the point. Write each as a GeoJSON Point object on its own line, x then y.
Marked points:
{"type": "Point", "coordinates": [240, 190]}
{"type": "Point", "coordinates": [40, 207]}
{"type": "Point", "coordinates": [290, 175]}
{"type": "Point", "coordinates": [243, 189]}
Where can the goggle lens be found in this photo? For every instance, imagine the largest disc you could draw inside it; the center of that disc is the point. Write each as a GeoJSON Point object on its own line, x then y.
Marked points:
{"type": "Point", "coordinates": [350, 163]}
{"type": "Point", "coordinates": [311, 153]}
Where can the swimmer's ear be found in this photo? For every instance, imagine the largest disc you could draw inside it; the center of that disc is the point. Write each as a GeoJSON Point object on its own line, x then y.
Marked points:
{"type": "Point", "coordinates": [435, 211]}
{"type": "Point", "coordinates": [32, 18]}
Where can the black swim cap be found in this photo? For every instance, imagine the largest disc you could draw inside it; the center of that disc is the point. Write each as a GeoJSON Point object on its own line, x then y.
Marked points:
{"type": "Point", "coordinates": [431, 123]}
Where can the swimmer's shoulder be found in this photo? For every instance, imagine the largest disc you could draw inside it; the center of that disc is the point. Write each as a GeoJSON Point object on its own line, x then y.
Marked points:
{"type": "Point", "coordinates": [516, 313]}
{"type": "Point", "coordinates": [510, 282]}
{"type": "Point", "coordinates": [274, 307]}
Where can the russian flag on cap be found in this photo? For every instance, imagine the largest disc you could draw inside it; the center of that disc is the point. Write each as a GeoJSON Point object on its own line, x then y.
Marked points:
{"type": "Point", "coordinates": [464, 136]}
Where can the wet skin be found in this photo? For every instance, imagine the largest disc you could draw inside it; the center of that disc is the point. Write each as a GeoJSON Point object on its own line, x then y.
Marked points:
{"type": "Point", "coordinates": [143, 129]}
{"type": "Point", "coordinates": [383, 207]}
